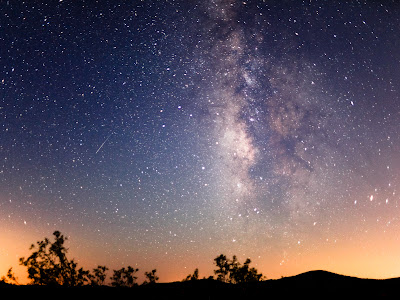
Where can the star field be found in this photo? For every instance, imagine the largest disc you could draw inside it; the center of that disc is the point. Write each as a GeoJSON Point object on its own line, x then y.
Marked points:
{"type": "Point", "coordinates": [163, 133]}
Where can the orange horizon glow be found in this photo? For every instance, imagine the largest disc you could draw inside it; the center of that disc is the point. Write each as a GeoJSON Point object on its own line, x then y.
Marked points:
{"type": "Point", "coordinates": [363, 258]}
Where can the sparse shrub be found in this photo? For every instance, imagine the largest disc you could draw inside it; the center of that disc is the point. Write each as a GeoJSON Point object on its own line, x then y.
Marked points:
{"type": "Point", "coordinates": [151, 277]}
{"type": "Point", "coordinates": [233, 271]}
{"type": "Point", "coordinates": [124, 277]}
{"type": "Point", "coordinates": [49, 265]}
{"type": "Point", "coordinates": [194, 276]}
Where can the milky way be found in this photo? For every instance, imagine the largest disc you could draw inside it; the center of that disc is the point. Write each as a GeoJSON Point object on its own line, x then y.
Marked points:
{"type": "Point", "coordinates": [161, 134]}
{"type": "Point", "coordinates": [283, 102]}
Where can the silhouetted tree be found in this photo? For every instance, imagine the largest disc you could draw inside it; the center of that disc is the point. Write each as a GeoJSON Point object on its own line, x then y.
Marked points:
{"type": "Point", "coordinates": [223, 265]}
{"type": "Point", "coordinates": [243, 273]}
{"type": "Point", "coordinates": [232, 271]}
{"type": "Point", "coordinates": [194, 276]}
{"type": "Point", "coordinates": [233, 268]}
{"type": "Point", "coordinates": [99, 275]}
{"type": "Point", "coordinates": [151, 277]}
{"type": "Point", "coordinates": [124, 277]}
{"type": "Point", "coordinates": [49, 265]}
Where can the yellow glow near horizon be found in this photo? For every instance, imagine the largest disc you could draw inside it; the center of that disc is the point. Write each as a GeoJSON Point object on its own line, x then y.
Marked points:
{"type": "Point", "coordinates": [364, 258]}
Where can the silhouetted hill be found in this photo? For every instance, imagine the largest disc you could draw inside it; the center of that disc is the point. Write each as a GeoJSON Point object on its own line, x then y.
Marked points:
{"type": "Point", "coordinates": [313, 284]}
{"type": "Point", "coordinates": [320, 283]}
{"type": "Point", "coordinates": [320, 278]}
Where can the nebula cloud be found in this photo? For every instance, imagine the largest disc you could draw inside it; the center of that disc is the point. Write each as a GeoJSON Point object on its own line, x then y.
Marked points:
{"type": "Point", "coordinates": [292, 116]}
{"type": "Point", "coordinates": [236, 151]}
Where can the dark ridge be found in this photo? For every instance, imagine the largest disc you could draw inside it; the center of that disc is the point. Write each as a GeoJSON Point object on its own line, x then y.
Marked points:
{"type": "Point", "coordinates": [319, 284]}
{"type": "Point", "coordinates": [321, 275]}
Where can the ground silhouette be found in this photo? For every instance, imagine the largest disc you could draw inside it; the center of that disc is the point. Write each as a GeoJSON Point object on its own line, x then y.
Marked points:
{"type": "Point", "coordinates": [313, 284]}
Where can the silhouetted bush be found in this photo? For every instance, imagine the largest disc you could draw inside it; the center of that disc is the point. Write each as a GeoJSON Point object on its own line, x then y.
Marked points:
{"type": "Point", "coordinates": [9, 278]}
{"type": "Point", "coordinates": [194, 276]}
{"type": "Point", "coordinates": [233, 272]}
{"type": "Point", "coordinates": [99, 276]}
{"type": "Point", "coordinates": [124, 277]}
{"type": "Point", "coordinates": [151, 277]}
{"type": "Point", "coordinates": [49, 265]}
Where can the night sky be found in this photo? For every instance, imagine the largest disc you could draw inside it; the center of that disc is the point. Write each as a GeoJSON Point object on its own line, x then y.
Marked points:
{"type": "Point", "coordinates": [160, 134]}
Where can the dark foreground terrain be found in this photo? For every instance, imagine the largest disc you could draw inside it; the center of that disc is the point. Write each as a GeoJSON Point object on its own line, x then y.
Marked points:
{"type": "Point", "coordinates": [313, 284]}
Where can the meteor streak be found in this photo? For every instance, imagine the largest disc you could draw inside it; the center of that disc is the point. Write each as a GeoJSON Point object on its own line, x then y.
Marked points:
{"type": "Point", "coordinates": [101, 146]}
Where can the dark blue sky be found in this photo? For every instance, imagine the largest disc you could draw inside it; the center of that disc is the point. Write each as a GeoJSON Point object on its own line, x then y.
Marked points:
{"type": "Point", "coordinates": [154, 130]}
